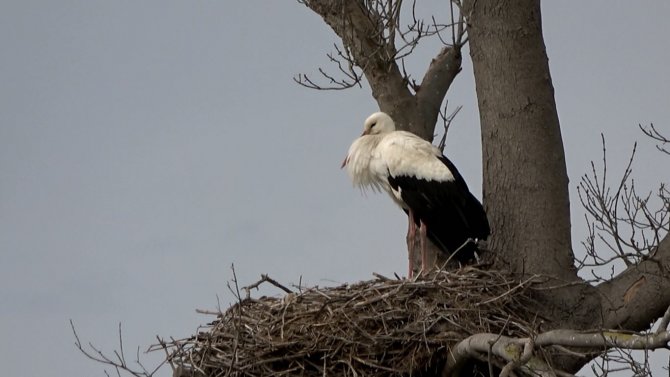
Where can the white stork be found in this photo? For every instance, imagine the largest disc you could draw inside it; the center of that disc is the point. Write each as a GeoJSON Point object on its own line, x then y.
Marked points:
{"type": "Point", "coordinates": [423, 182]}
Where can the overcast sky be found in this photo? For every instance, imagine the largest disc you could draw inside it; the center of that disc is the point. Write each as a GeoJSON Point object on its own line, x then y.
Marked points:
{"type": "Point", "coordinates": [145, 146]}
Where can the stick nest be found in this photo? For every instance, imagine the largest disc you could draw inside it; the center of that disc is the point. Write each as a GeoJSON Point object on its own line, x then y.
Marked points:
{"type": "Point", "coordinates": [381, 327]}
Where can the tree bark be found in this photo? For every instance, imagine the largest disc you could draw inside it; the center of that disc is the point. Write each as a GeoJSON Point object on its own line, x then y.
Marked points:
{"type": "Point", "coordinates": [525, 177]}
{"type": "Point", "coordinates": [526, 184]}
{"type": "Point", "coordinates": [645, 285]}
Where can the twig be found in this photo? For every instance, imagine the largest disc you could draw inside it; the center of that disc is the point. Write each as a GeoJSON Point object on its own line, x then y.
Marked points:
{"type": "Point", "coordinates": [265, 278]}
{"type": "Point", "coordinates": [653, 133]}
{"type": "Point", "coordinates": [510, 291]}
{"type": "Point", "coordinates": [446, 123]}
{"type": "Point", "coordinates": [119, 364]}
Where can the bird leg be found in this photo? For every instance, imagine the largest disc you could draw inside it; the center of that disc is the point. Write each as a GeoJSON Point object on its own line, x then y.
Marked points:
{"type": "Point", "coordinates": [411, 235]}
{"type": "Point", "coordinates": [422, 239]}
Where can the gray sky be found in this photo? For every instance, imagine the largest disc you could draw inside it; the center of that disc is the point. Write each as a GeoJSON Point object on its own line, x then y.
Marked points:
{"type": "Point", "coordinates": [147, 145]}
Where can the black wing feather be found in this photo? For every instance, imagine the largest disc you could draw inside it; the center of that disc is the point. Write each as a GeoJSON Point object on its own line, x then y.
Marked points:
{"type": "Point", "coordinates": [451, 213]}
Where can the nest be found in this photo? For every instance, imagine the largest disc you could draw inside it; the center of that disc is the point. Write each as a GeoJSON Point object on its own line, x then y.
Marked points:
{"type": "Point", "coordinates": [381, 327]}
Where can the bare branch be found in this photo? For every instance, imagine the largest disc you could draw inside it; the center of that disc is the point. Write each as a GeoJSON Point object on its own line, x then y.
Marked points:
{"type": "Point", "coordinates": [624, 229]}
{"type": "Point", "coordinates": [446, 123]}
{"type": "Point", "coordinates": [265, 278]}
{"type": "Point", "coordinates": [346, 66]}
{"type": "Point", "coordinates": [364, 31]}
{"type": "Point", "coordinates": [653, 133]}
{"type": "Point", "coordinates": [236, 291]}
{"type": "Point", "coordinates": [374, 39]}
{"type": "Point", "coordinates": [520, 353]}
{"type": "Point", "coordinates": [644, 285]}
{"type": "Point", "coordinates": [118, 361]}
{"type": "Point", "coordinates": [620, 219]}
{"type": "Point", "coordinates": [605, 338]}
{"type": "Point", "coordinates": [510, 350]}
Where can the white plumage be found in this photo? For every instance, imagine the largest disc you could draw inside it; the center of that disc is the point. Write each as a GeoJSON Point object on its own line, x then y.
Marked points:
{"type": "Point", "coordinates": [422, 182]}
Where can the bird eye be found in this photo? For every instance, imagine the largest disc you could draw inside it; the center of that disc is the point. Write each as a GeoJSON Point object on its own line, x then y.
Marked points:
{"type": "Point", "coordinates": [373, 124]}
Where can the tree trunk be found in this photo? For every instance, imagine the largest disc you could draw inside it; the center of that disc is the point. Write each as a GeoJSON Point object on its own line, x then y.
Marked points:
{"type": "Point", "coordinates": [525, 178]}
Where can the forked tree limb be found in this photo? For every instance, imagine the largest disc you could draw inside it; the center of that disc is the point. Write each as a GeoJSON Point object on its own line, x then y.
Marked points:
{"type": "Point", "coordinates": [512, 351]}
{"type": "Point", "coordinates": [438, 78]}
{"type": "Point", "coordinates": [655, 134]}
{"type": "Point", "coordinates": [371, 46]}
{"type": "Point", "coordinates": [519, 353]}
{"type": "Point", "coordinates": [640, 294]}
{"type": "Point", "coordinates": [362, 35]}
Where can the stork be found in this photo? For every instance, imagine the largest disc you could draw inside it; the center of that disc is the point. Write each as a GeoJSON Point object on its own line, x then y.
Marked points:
{"type": "Point", "coordinates": [423, 182]}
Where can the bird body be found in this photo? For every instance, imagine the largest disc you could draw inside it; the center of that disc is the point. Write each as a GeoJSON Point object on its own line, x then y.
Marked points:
{"type": "Point", "coordinates": [423, 182]}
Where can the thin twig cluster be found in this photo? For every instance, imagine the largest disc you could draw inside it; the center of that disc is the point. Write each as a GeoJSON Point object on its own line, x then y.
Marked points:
{"type": "Point", "coordinates": [663, 141]}
{"type": "Point", "coordinates": [397, 30]}
{"type": "Point", "coordinates": [117, 360]}
{"type": "Point", "coordinates": [379, 327]}
{"type": "Point", "coordinates": [624, 226]}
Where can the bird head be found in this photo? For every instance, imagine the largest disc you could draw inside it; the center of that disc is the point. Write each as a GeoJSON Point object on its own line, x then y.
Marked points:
{"type": "Point", "coordinates": [375, 124]}
{"type": "Point", "coordinates": [378, 123]}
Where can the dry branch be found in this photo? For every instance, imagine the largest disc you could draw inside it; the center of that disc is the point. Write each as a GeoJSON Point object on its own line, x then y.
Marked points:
{"type": "Point", "coordinates": [520, 353]}
{"type": "Point", "coordinates": [118, 360]}
{"type": "Point", "coordinates": [376, 36]}
{"type": "Point", "coordinates": [633, 229]}
{"type": "Point", "coordinates": [656, 135]}
{"type": "Point", "coordinates": [623, 225]}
